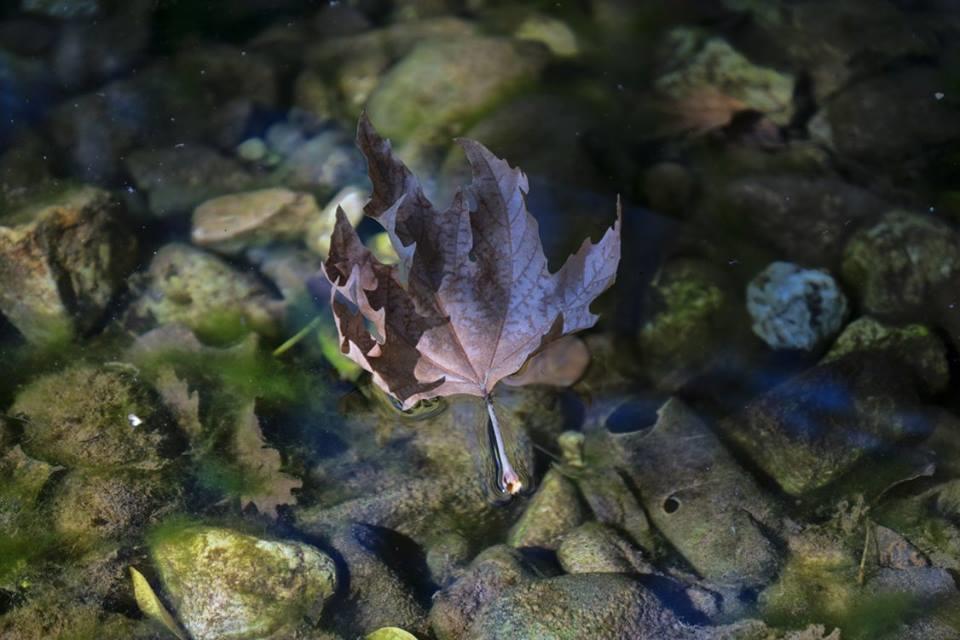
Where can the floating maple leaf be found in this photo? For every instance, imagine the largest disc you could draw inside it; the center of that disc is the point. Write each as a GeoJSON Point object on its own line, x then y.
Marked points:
{"type": "Point", "coordinates": [471, 298]}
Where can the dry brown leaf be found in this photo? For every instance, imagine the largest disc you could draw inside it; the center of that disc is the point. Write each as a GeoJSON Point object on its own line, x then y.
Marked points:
{"type": "Point", "coordinates": [471, 298]}
{"type": "Point", "coordinates": [269, 486]}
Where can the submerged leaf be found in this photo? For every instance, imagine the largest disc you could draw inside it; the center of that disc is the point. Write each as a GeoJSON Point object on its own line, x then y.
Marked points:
{"type": "Point", "coordinates": [151, 606]}
{"type": "Point", "coordinates": [266, 486]}
{"type": "Point", "coordinates": [184, 404]}
{"type": "Point", "coordinates": [471, 298]}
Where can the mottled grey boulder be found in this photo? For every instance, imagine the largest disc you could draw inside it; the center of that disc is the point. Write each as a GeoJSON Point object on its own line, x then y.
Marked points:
{"type": "Point", "coordinates": [795, 308]}
{"type": "Point", "coordinates": [709, 508]}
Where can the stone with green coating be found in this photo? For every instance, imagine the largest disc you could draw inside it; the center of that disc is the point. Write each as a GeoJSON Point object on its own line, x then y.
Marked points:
{"type": "Point", "coordinates": [897, 265]}
{"type": "Point", "coordinates": [915, 345]}
{"type": "Point", "coordinates": [227, 585]}
{"type": "Point", "coordinates": [443, 85]}
{"type": "Point", "coordinates": [553, 510]}
{"type": "Point", "coordinates": [83, 417]}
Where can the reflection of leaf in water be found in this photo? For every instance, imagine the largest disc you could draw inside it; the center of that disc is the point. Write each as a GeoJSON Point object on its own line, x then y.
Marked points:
{"type": "Point", "coordinates": [151, 606]}
{"type": "Point", "coordinates": [264, 484]}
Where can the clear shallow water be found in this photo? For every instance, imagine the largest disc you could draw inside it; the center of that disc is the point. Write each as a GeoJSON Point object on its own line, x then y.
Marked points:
{"type": "Point", "coordinates": [765, 439]}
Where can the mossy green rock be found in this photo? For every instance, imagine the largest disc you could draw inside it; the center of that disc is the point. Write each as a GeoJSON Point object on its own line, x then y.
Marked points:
{"type": "Point", "coordinates": [691, 309]}
{"type": "Point", "coordinates": [896, 265]}
{"type": "Point", "coordinates": [81, 417]}
{"type": "Point", "coordinates": [198, 289]}
{"type": "Point", "coordinates": [915, 345]}
{"type": "Point", "coordinates": [88, 507]}
{"type": "Point", "coordinates": [226, 585]}
{"type": "Point", "coordinates": [598, 548]}
{"type": "Point", "coordinates": [442, 85]}
{"type": "Point", "coordinates": [62, 258]}
{"type": "Point", "coordinates": [553, 510]}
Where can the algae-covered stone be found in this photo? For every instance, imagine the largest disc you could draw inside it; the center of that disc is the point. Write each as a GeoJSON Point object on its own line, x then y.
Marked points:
{"type": "Point", "coordinates": [82, 416]}
{"type": "Point", "coordinates": [198, 289]}
{"type": "Point", "coordinates": [446, 556]}
{"type": "Point", "coordinates": [226, 585]}
{"type": "Point", "coordinates": [232, 223]}
{"type": "Point", "coordinates": [795, 308]}
{"type": "Point", "coordinates": [695, 63]}
{"type": "Point", "coordinates": [598, 548]}
{"type": "Point", "coordinates": [915, 345]}
{"type": "Point", "coordinates": [62, 260]}
{"type": "Point", "coordinates": [691, 314]}
{"type": "Point", "coordinates": [896, 265]}
{"type": "Point", "coordinates": [553, 510]}
{"type": "Point", "coordinates": [87, 507]}
{"type": "Point", "coordinates": [439, 87]}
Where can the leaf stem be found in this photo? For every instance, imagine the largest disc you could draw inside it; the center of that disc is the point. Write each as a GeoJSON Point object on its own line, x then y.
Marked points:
{"type": "Point", "coordinates": [507, 480]}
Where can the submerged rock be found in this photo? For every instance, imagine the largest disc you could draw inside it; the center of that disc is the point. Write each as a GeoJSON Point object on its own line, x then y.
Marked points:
{"type": "Point", "coordinates": [913, 345]}
{"type": "Point", "coordinates": [813, 428]}
{"type": "Point", "coordinates": [225, 584]}
{"type": "Point", "coordinates": [897, 265]}
{"type": "Point", "coordinates": [693, 313]}
{"type": "Point", "coordinates": [805, 219]}
{"type": "Point", "coordinates": [88, 507]}
{"type": "Point", "coordinates": [177, 179]}
{"type": "Point", "coordinates": [61, 261]}
{"type": "Point", "coordinates": [82, 417]}
{"type": "Point", "coordinates": [231, 223]}
{"type": "Point", "coordinates": [492, 572]}
{"type": "Point", "coordinates": [694, 64]}
{"type": "Point", "coordinates": [586, 605]}
{"type": "Point", "coordinates": [553, 510]}
{"type": "Point", "coordinates": [891, 116]}
{"type": "Point", "coordinates": [441, 85]}
{"type": "Point", "coordinates": [198, 289]}
{"type": "Point", "coordinates": [598, 548]}
{"type": "Point", "coordinates": [384, 582]}
{"type": "Point", "coordinates": [795, 308]}
{"type": "Point", "coordinates": [700, 499]}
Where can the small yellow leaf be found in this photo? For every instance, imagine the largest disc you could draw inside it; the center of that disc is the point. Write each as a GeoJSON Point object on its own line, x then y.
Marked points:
{"type": "Point", "coordinates": [151, 606]}
{"type": "Point", "coordinates": [390, 633]}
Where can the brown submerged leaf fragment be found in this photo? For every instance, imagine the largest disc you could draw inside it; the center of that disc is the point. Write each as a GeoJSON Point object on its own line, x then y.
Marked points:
{"type": "Point", "coordinates": [270, 487]}
{"type": "Point", "coordinates": [471, 299]}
